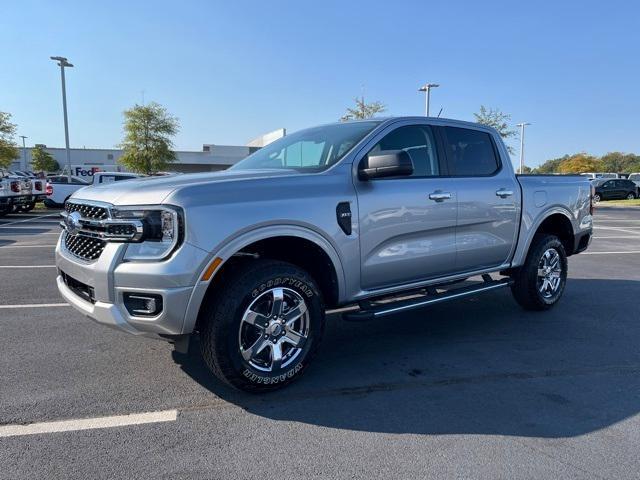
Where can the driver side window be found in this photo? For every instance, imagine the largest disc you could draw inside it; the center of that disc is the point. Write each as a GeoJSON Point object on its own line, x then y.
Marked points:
{"type": "Point", "coordinates": [418, 141]}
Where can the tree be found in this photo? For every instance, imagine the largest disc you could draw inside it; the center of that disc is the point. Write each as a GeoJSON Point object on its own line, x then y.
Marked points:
{"type": "Point", "coordinates": [147, 143]}
{"type": "Point", "coordinates": [42, 161]}
{"type": "Point", "coordinates": [551, 166]}
{"type": "Point", "coordinates": [8, 148]}
{"type": "Point", "coordinates": [580, 163]}
{"type": "Point", "coordinates": [363, 110]}
{"type": "Point", "coordinates": [498, 120]}
{"type": "Point", "coordinates": [618, 162]}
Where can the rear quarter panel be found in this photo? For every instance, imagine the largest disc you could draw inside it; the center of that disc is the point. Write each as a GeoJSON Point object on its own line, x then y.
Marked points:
{"type": "Point", "coordinates": [545, 195]}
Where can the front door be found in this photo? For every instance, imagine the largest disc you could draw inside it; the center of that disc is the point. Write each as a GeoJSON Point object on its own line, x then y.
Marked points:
{"type": "Point", "coordinates": [407, 224]}
{"type": "Point", "coordinates": [488, 199]}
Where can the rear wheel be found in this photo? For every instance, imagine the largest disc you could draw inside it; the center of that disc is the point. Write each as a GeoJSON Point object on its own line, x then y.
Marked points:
{"type": "Point", "coordinates": [597, 197]}
{"type": "Point", "coordinates": [540, 282]}
{"type": "Point", "coordinates": [631, 196]}
{"type": "Point", "coordinates": [261, 329]}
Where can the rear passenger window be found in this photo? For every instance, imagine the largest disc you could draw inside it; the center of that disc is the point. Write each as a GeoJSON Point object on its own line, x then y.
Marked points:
{"type": "Point", "coordinates": [418, 142]}
{"type": "Point", "coordinates": [471, 152]}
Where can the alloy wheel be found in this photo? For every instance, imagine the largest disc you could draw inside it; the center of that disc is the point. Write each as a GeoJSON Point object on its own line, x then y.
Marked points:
{"type": "Point", "coordinates": [549, 273]}
{"type": "Point", "coordinates": [274, 329]}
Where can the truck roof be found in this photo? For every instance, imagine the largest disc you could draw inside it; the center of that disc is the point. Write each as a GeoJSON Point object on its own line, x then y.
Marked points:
{"type": "Point", "coordinates": [435, 120]}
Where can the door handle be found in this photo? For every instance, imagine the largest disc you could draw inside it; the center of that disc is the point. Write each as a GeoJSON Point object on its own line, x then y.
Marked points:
{"type": "Point", "coordinates": [439, 196]}
{"type": "Point", "coordinates": [504, 193]}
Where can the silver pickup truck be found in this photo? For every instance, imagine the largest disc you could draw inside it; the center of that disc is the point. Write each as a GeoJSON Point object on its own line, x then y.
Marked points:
{"type": "Point", "coordinates": [381, 216]}
{"type": "Point", "coordinates": [16, 193]}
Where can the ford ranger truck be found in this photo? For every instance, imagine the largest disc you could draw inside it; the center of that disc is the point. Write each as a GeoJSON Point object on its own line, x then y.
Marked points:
{"type": "Point", "coordinates": [385, 216]}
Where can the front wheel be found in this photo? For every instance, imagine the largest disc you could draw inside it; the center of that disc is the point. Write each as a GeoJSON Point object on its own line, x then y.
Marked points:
{"type": "Point", "coordinates": [261, 329]}
{"type": "Point", "coordinates": [597, 198]}
{"type": "Point", "coordinates": [27, 207]}
{"type": "Point", "coordinates": [540, 282]}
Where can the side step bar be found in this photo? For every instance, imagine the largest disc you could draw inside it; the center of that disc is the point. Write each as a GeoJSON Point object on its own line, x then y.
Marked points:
{"type": "Point", "coordinates": [380, 310]}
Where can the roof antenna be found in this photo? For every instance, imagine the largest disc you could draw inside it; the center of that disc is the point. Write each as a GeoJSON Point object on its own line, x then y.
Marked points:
{"type": "Point", "coordinates": [439, 112]}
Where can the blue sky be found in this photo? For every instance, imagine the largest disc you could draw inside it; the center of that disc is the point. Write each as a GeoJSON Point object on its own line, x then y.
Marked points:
{"type": "Point", "coordinates": [233, 70]}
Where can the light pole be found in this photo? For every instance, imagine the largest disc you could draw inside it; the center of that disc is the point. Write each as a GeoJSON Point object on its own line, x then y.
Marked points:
{"type": "Point", "coordinates": [24, 151]}
{"type": "Point", "coordinates": [62, 63]}
{"type": "Point", "coordinates": [427, 89]}
{"type": "Point", "coordinates": [522, 125]}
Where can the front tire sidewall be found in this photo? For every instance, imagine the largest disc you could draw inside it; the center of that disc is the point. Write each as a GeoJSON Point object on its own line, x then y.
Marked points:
{"type": "Point", "coordinates": [243, 291]}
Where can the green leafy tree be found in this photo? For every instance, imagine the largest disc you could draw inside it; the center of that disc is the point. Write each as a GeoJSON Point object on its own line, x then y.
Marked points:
{"type": "Point", "coordinates": [551, 166]}
{"type": "Point", "coordinates": [362, 110]}
{"type": "Point", "coordinates": [618, 162]}
{"type": "Point", "coordinates": [498, 120]}
{"type": "Point", "coordinates": [147, 143]}
{"type": "Point", "coordinates": [42, 161]}
{"type": "Point", "coordinates": [8, 148]}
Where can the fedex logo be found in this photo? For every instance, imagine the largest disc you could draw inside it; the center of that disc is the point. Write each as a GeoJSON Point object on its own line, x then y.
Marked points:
{"type": "Point", "coordinates": [85, 172]}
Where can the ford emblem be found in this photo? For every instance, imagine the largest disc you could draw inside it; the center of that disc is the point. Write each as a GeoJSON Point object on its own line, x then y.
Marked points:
{"type": "Point", "coordinates": [72, 222]}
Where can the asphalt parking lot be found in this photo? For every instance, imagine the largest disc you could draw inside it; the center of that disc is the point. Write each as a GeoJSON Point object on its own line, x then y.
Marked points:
{"type": "Point", "coordinates": [473, 389]}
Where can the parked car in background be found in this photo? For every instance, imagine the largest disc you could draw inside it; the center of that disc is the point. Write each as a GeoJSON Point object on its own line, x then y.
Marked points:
{"type": "Point", "coordinates": [635, 178]}
{"type": "Point", "coordinates": [59, 189]}
{"type": "Point", "coordinates": [614, 189]}
{"type": "Point", "coordinates": [389, 215]}
{"type": "Point", "coordinates": [15, 193]}
{"type": "Point", "coordinates": [596, 176]}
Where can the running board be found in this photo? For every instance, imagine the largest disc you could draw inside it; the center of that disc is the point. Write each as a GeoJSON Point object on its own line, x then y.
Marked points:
{"type": "Point", "coordinates": [380, 310]}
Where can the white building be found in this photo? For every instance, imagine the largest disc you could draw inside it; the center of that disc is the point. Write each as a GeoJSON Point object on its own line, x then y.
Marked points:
{"type": "Point", "coordinates": [84, 161]}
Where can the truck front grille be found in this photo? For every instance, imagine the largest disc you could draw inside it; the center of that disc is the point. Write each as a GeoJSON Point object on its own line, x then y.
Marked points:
{"type": "Point", "coordinates": [83, 247]}
{"type": "Point", "coordinates": [87, 211]}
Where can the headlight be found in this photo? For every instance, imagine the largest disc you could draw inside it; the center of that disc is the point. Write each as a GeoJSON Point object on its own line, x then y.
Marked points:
{"type": "Point", "coordinates": [162, 231]}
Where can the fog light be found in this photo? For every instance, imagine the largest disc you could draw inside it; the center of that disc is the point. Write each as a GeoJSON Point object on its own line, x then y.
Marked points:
{"type": "Point", "coordinates": [143, 304]}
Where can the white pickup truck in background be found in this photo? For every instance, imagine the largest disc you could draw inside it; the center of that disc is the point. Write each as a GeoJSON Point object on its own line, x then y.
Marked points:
{"type": "Point", "coordinates": [59, 189]}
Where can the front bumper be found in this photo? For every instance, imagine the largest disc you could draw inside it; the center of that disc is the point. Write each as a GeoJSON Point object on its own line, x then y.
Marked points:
{"type": "Point", "coordinates": [109, 278]}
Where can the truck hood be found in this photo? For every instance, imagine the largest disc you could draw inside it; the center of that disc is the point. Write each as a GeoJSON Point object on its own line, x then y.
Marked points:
{"type": "Point", "coordinates": [153, 190]}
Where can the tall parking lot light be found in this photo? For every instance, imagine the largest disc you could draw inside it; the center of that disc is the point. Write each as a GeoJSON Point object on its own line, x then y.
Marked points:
{"type": "Point", "coordinates": [24, 151]}
{"type": "Point", "coordinates": [427, 89]}
{"type": "Point", "coordinates": [62, 63]}
{"type": "Point", "coordinates": [522, 125]}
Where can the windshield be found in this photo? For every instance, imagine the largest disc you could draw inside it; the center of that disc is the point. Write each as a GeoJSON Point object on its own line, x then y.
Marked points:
{"type": "Point", "coordinates": [310, 150]}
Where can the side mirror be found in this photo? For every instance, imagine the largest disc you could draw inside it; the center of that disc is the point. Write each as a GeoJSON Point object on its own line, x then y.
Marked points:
{"type": "Point", "coordinates": [386, 163]}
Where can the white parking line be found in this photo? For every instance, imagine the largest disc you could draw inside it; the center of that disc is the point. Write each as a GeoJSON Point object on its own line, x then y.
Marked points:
{"type": "Point", "coordinates": [27, 266]}
{"type": "Point", "coordinates": [619, 229]}
{"type": "Point", "coordinates": [28, 246]}
{"type": "Point", "coordinates": [609, 253]}
{"type": "Point", "coordinates": [30, 228]}
{"type": "Point", "coordinates": [637, 237]}
{"type": "Point", "coordinates": [30, 219]}
{"type": "Point", "coordinates": [34, 305]}
{"type": "Point", "coordinates": [89, 423]}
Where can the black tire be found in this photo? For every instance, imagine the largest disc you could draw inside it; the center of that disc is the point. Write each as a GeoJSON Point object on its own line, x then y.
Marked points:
{"type": "Point", "coordinates": [27, 207]}
{"type": "Point", "coordinates": [631, 196]}
{"type": "Point", "coordinates": [222, 328]}
{"type": "Point", "coordinates": [527, 283]}
{"type": "Point", "coordinates": [597, 198]}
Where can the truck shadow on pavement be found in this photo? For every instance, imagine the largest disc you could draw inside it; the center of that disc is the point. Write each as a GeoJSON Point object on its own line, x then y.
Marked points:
{"type": "Point", "coordinates": [480, 366]}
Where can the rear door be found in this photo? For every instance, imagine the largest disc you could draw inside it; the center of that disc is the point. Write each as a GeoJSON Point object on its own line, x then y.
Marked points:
{"type": "Point", "coordinates": [407, 224]}
{"type": "Point", "coordinates": [488, 199]}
